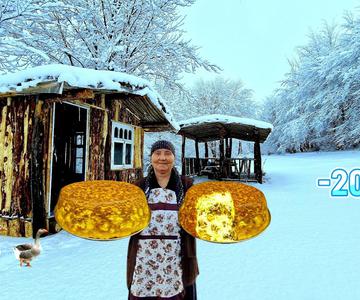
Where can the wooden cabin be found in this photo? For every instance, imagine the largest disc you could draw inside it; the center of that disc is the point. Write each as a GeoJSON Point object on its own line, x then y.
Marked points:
{"type": "Point", "coordinates": [224, 128]}
{"type": "Point", "coordinates": [61, 124]}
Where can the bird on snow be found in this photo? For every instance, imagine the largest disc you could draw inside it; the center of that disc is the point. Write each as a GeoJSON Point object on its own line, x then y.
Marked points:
{"type": "Point", "coordinates": [26, 252]}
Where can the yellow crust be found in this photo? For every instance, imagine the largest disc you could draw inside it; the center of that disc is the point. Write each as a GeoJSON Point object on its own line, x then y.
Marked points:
{"type": "Point", "coordinates": [102, 209]}
{"type": "Point", "coordinates": [224, 212]}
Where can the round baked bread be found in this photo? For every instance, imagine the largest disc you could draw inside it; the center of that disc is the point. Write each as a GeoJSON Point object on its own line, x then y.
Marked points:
{"type": "Point", "coordinates": [224, 212]}
{"type": "Point", "coordinates": [102, 209]}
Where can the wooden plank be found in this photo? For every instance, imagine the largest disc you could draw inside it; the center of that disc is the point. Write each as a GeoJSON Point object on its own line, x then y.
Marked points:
{"type": "Point", "coordinates": [118, 105]}
{"type": "Point", "coordinates": [36, 170]}
{"type": "Point", "coordinates": [7, 159]}
{"type": "Point", "coordinates": [28, 129]}
{"type": "Point", "coordinates": [4, 109]}
{"type": "Point", "coordinates": [222, 157]}
{"type": "Point", "coordinates": [96, 145]}
{"type": "Point", "coordinates": [49, 157]}
{"type": "Point", "coordinates": [197, 161]}
{"type": "Point", "coordinates": [17, 122]}
{"type": "Point", "coordinates": [105, 134]}
{"type": "Point", "coordinates": [156, 127]}
{"type": "Point", "coordinates": [138, 149]}
{"type": "Point", "coordinates": [80, 94]}
{"type": "Point", "coordinates": [206, 149]}
{"type": "Point", "coordinates": [257, 161]}
{"type": "Point", "coordinates": [183, 163]}
{"type": "Point", "coordinates": [50, 87]}
{"type": "Point", "coordinates": [221, 149]}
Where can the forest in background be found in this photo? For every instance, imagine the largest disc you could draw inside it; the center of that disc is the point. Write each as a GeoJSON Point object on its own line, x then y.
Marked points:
{"type": "Point", "coordinates": [316, 107]}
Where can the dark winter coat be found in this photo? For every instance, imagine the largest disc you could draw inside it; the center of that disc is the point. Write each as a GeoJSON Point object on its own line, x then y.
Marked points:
{"type": "Point", "coordinates": [188, 248]}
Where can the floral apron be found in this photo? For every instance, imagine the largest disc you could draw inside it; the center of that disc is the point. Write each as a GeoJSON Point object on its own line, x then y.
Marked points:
{"type": "Point", "coordinates": [158, 270]}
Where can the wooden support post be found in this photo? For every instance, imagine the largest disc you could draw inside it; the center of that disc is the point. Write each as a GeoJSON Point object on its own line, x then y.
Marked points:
{"type": "Point", "coordinates": [221, 149]}
{"type": "Point", "coordinates": [206, 160]}
{"type": "Point", "coordinates": [257, 160]}
{"type": "Point", "coordinates": [231, 143]}
{"type": "Point", "coordinates": [239, 149]}
{"type": "Point", "coordinates": [36, 170]}
{"type": "Point", "coordinates": [227, 163]}
{"type": "Point", "coordinates": [183, 166]}
{"type": "Point", "coordinates": [206, 150]}
{"type": "Point", "coordinates": [222, 157]}
{"type": "Point", "coordinates": [197, 160]}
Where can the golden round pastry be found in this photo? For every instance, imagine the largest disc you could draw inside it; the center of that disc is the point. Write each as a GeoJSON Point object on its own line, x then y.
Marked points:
{"type": "Point", "coordinates": [102, 209]}
{"type": "Point", "coordinates": [224, 212]}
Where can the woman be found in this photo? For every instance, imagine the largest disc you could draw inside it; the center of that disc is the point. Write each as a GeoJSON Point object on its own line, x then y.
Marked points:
{"type": "Point", "coordinates": [161, 262]}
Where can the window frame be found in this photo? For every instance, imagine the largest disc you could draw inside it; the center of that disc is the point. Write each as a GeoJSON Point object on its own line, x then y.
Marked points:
{"type": "Point", "coordinates": [121, 127]}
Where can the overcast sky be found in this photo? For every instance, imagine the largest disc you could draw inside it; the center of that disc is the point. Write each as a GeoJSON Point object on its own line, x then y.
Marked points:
{"type": "Point", "coordinates": [252, 39]}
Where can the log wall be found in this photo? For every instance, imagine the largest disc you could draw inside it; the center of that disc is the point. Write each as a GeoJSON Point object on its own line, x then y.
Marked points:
{"type": "Point", "coordinates": [16, 125]}
{"type": "Point", "coordinates": [25, 134]}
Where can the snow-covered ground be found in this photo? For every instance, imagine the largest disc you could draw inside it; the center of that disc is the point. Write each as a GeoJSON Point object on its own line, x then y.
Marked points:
{"type": "Point", "coordinates": [311, 250]}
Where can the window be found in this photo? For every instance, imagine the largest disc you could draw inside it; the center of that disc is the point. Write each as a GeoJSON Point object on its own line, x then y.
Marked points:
{"type": "Point", "coordinates": [122, 146]}
{"type": "Point", "coordinates": [79, 153]}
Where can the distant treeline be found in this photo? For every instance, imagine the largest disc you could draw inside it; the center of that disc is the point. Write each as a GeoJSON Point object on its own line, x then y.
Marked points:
{"type": "Point", "coordinates": [317, 106]}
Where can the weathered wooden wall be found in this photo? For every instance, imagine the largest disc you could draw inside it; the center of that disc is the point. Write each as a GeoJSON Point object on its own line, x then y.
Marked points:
{"type": "Point", "coordinates": [16, 126]}
{"type": "Point", "coordinates": [20, 197]}
{"type": "Point", "coordinates": [112, 109]}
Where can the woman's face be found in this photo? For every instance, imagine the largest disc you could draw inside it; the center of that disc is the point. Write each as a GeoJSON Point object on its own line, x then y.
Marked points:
{"type": "Point", "coordinates": [162, 161]}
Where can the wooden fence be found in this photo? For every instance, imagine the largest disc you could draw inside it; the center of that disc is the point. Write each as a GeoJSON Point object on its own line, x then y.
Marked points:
{"type": "Point", "coordinates": [229, 168]}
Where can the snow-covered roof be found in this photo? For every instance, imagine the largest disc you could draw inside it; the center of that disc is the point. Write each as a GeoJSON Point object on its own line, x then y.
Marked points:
{"type": "Point", "coordinates": [212, 127]}
{"type": "Point", "coordinates": [225, 119]}
{"type": "Point", "coordinates": [24, 82]}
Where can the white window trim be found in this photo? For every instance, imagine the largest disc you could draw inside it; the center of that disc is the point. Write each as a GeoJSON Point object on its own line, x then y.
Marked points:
{"type": "Point", "coordinates": [114, 140]}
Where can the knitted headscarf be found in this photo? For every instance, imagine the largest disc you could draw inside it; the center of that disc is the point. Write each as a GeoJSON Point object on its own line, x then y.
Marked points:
{"type": "Point", "coordinates": [162, 144]}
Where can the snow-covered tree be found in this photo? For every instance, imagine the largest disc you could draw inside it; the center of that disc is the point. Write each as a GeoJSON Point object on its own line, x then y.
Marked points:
{"type": "Point", "coordinates": [133, 36]}
{"type": "Point", "coordinates": [11, 12]}
{"type": "Point", "coordinates": [217, 96]}
{"type": "Point", "coordinates": [305, 107]}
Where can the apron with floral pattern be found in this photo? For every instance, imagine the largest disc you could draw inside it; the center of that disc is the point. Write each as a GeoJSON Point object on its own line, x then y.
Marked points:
{"type": "Point", "coordinates": [158, 270]}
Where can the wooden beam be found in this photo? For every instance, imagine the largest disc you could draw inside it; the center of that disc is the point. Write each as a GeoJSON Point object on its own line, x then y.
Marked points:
{"type": "Point", "coordinates": [257, 161]}
{"type": "Point", "coordinates": [206, 152]}
{"type": "Point", "coordinates": [228, 147]}
{"type": "Point", "coordinates": [206, 149]}
{"type": "Point", "coordinates": [79, 94]}
{"type": "Point", "coordinates": [6, 157]}
{"type": "Point", "coordinates": [183, 170]}
{"type": "Point", "coordinates": [155, 127]}
{"type": "Point", "coordinates": [221, 149]}
{"type": "Point", "coordinates": [36, 170]}
{"type": "Point", "coordinates": [197, 160]}
{"type": "Point", "coordinates": [223, 132]}
{"type": "Point", "coordinates": [187, 133]}
{"type": "Point", "coordinates": [204, 132]}
{"type": "Point", "coordinates": [222, 157]}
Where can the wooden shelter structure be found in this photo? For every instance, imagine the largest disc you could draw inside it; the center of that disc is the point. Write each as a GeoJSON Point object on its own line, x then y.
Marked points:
{"type": "Point", "coordinates": [223, 128]}
{"type": "Point", "coordinates": [61, 124]}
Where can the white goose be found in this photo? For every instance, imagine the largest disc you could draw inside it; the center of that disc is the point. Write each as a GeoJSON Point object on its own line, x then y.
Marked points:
{"type": "Point", "coordinates": [26, 252]}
